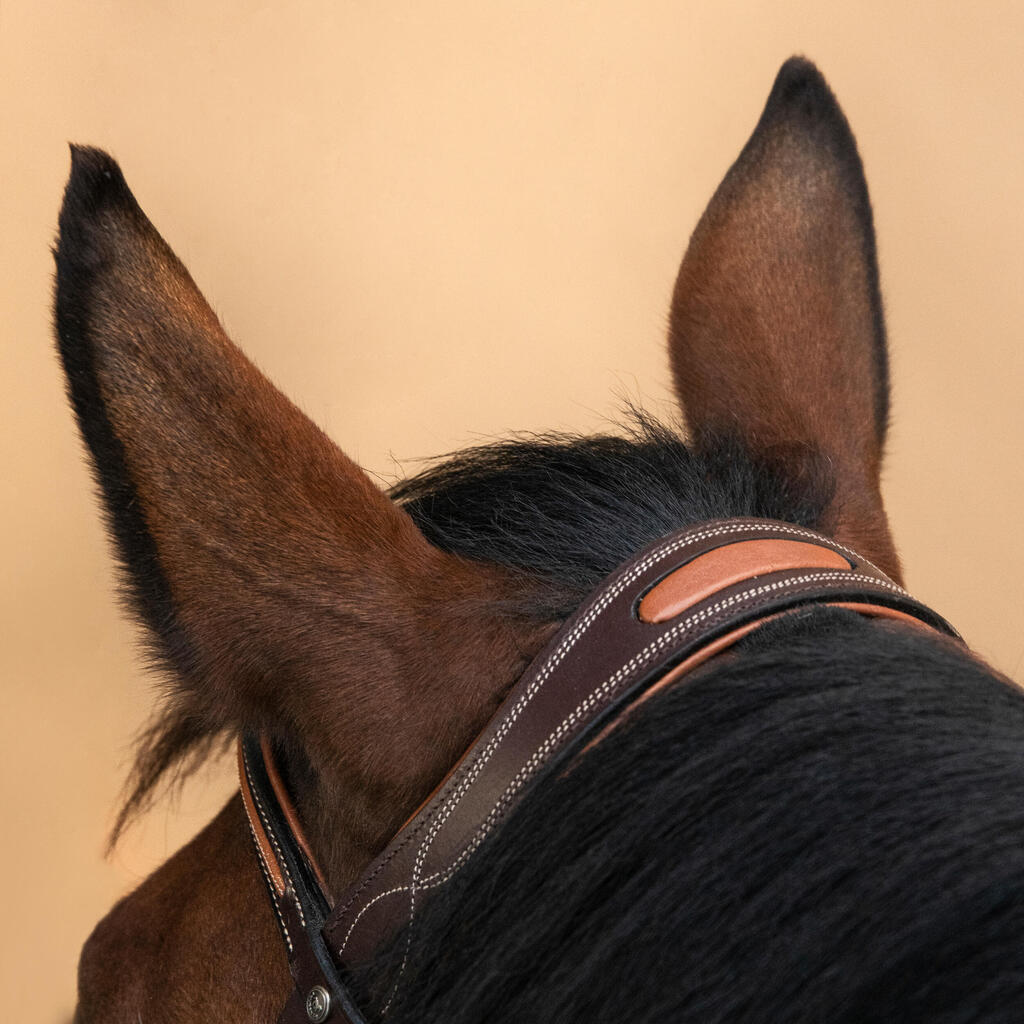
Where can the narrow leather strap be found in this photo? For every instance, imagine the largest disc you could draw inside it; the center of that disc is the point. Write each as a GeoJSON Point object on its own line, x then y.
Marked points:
{"type": "Point", "coordinates": [299, 901]}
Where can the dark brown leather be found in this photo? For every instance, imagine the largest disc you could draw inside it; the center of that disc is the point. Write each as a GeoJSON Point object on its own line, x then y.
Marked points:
{"type": "Point", "coordinates": [602, 652]}
{"type": "Point", "coordinates": [604, 657]}
{"type": "Point", "coordinates": [307, 974]}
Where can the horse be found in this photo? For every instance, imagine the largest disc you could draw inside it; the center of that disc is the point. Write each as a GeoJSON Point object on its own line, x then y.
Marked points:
{"type": "Point", "coordinates": [821, 821]}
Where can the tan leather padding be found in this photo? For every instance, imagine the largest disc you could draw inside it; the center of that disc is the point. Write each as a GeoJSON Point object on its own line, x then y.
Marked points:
{"type": "Point", "coordinates": [725, 566]}
{"type": "Point", "coordinates": [877, 611]}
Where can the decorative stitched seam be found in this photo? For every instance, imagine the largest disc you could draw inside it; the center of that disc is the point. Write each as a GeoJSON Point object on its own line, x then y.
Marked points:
{"type": "Point", "coordinates": [471, 771]}
{"type": "Point", "coordinates": [605, 690]}
{"type": "Point", "coordinates": [585, 623]}
{"type": "Point", "coordinates": [252, 832]}
{"type": "Point", "coordinates": [363, 910]}
{"type": "Point", "coordinates": [625, 577]}
{"type": "Point", "coordinates": [608, 688]}
{"type": "Point", "coordinates": [274, 899]}
{"type": "Point", "coordinates": [264, 868]}
{"type": "Point", "coordinates": [405, 953]}
{"type": "Point", "coordinates": [282, 863]}
{"type": "Point", "coordinates": [553, 661]}
{"type": "Point", "coordinates": [571, 640]}
{"type": "Point", "coordinates": [332, 927]}
{"type": "Point", "coordinates": [558, 655]}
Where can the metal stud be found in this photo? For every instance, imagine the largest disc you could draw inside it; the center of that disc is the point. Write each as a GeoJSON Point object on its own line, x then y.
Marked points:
{"type": "Point", "coordinates": [318, 1004]}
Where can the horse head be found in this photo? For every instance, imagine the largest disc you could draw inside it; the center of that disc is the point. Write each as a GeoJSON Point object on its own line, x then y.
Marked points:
{"type": "Point", "coordinates": [369, 637]}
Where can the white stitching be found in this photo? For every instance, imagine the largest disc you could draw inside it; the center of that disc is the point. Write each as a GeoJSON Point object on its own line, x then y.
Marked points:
{"type": "Point", "coordinates": [273, 891]}
{"type": "Point", "coordinates": [588, 620]}
{"type": "Point", "coordinates": [472, 770]}
{"type": "Point", "coordinates": [553, 661]}
{"type": "Point", "coordinates": [441, 876]}
{"type": "Point", "coordinates": [570, 641]}
{"type": "Point", "coordinates": [626, 577]}
{"type": "Point", "coordinates": [379, 896]}
{"type": "Point", "coordinates": [264, 868]}
{"type": "Point", "coordinates": [273, 838]}
{"type": "Point", "coordinates": [405, 955]}
{"type": "Point", "coordinates": [608, 687]}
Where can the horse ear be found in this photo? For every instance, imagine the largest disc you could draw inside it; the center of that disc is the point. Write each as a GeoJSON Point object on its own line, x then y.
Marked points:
{"type": "Point", "coordinates": [283, 589]}
{"type": "Point", "coordinates": [776, 333]}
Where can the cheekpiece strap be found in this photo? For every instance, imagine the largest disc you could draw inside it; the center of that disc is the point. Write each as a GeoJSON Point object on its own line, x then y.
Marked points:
{"type": "Point", "coordinates": [671, 607]}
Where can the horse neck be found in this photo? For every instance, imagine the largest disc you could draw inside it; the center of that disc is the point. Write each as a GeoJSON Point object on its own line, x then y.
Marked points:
{"type": "Point", "coordinates": [203, 915]}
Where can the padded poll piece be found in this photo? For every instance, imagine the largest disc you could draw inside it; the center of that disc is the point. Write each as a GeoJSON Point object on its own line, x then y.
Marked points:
{"type": "Point", "coordinates": [685, 598]}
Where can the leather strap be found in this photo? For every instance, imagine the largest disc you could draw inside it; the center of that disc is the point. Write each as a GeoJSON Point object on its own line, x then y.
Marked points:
{"type": "Point", "coordinates": [672, 606]}
{"type": "Point", "coordinates": [299, 902]}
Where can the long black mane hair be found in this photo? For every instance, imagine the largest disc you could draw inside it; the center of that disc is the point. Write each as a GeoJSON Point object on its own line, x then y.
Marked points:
{"type": "Point", "coordinates": [824, 826]}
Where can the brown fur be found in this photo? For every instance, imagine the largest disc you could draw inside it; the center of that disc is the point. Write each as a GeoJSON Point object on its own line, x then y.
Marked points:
{"type": "Point", "coordinates": [306, 604]}
{"type": "Point", "coordinates": [174, 949]}
{"type": "Point", "coordinates": [776, 330]}
{"type": "Point", "coordinates": [290, 572]}
{"type": "Point", "coordinates": [292, 597]}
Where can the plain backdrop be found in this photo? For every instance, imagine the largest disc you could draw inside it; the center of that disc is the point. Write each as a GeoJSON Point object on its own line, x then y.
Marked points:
{"type": "Point", "coordinates": [435, 223]}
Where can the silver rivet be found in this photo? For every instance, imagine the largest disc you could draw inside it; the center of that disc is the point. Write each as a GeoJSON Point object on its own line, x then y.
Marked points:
{"type": "Point", "coordinates": [318, 1004]}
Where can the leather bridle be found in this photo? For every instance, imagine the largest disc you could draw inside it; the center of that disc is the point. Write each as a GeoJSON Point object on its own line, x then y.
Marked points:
{"type": "Point", "coordinates": [657, 617]}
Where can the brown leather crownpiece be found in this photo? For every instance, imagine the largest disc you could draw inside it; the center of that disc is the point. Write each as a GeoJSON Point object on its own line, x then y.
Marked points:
{"type": "Point", "coordinates": [601, 653]}
{"type": "Point", "coordinates": [678, 603]}
{"type": "Point", "coordinates": [684, 668]}
{"type": "Point", "coordinates": [724, 566]}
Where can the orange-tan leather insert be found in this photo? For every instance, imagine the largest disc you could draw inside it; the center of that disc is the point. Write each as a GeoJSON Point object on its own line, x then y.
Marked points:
{"type": "Point", "coordinates": [728, 565]}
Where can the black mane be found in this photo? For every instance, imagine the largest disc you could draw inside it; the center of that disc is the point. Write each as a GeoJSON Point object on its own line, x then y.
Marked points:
{"type": "Point", "coordinates": [571, 509]}
{"type": "Point", "coordinates": [824, 827]}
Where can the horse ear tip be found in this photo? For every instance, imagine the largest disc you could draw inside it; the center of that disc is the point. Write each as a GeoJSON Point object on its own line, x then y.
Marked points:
{"type": "Point", "coordinates": [95, 186]}
{"type": "Point", "coordinates": [801, 106]}
{"type": "Point", "coordinates": [95, 180]}
{"type": "Point", "coordinates": [799, 68]}
{"type": "Point", "coordinates": [800, 90]}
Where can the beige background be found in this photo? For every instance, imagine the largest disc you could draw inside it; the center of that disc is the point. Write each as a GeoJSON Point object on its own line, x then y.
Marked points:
{"type": "Point", "coordinates": [434, 223]}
